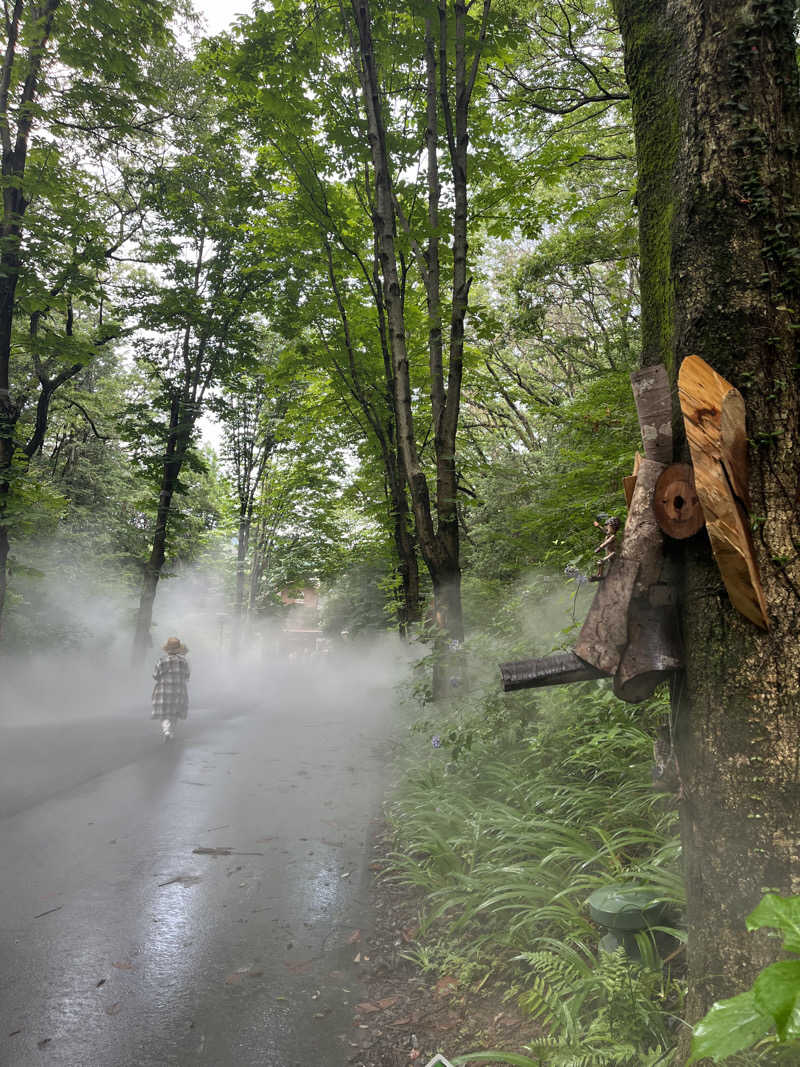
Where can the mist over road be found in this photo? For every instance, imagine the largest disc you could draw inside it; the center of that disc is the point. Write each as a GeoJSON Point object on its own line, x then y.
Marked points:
{"type": "Point", "coordinates": [123, 945]}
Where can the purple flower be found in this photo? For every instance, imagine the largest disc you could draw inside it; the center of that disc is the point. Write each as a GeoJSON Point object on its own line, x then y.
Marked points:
{"type": "Point", "coordinates": [436, 741]}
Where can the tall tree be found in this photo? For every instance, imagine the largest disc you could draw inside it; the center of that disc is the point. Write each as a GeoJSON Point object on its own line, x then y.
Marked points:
{"type": "Point", "coordinates": [68, 66]}
{"type": "Point", "coordinates": [453, 51]}
{"type": "Point", "coordinates": [195, 311]}
{"type": "Point", "coordinates": [287, 79]}
{"type": "Point", "coordinates": [717, 119]}
{"type": "Point", "coordinates": [251, 412]}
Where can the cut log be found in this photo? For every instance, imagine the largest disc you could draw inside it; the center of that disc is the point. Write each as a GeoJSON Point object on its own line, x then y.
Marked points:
{"type": "Point", "coordinates": [676, 504]}
{"type": "Point", "coordinates": [557, 669]}
{"type": "Point", "coordinates": [720, 468]}
{"type": "Point", "coordinates": [653, 397]}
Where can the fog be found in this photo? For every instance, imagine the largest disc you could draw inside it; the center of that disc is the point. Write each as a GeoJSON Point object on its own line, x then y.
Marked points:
{"type": "Point", "coordinates": [81, 668]}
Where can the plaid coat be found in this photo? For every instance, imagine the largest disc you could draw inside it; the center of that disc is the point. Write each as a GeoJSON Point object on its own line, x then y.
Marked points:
{"type": "Point", "coordinates": [170, 695]}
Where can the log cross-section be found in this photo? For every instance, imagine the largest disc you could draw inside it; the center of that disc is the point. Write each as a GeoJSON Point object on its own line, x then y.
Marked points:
{"type": "Point", "coordinates": [714, 416]}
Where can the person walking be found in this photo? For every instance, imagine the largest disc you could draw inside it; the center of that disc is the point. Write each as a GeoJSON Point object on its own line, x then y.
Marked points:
{"type": "Point", "coordinates": [170, 693]}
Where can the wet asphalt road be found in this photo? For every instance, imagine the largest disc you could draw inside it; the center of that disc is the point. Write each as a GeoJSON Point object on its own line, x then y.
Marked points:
{"type": "Point", "coordinates": [123, 946]}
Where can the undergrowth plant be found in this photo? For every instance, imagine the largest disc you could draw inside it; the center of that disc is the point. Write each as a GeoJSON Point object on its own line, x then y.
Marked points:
{"type": "Point", "coordinates": [507, 826]}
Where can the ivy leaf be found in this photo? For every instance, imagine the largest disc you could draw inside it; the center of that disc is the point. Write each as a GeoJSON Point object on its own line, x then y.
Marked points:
{"type": "Point", "coordinates": [777, 992]}
{"type": "Point", "coordinates": [781, 912]}
{"type": "Point", "coordinates": [730, 1026]}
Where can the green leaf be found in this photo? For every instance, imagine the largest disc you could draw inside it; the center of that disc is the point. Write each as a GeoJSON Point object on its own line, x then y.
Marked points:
{"type": "Point", "coordinates": [777, 993]}
{"type": "Point", "coordinates": [730, 1026]}
{"type": "Point", "coordinates": [781, 912]}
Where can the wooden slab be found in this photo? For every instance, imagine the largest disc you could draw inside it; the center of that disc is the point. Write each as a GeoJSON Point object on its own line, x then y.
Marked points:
{"type": "Point", "coordinates": [720, 471]}
{"type": "Point", "coordinates": [733, 430]}
{"type": "Point", "coordinates": [604, 634]}
{"type": "Point", "coordinates": [653, 396]}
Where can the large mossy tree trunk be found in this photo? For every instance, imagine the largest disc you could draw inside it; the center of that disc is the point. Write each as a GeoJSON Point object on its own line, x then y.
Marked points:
{"type": "Point", "coordinates": [717, 116]}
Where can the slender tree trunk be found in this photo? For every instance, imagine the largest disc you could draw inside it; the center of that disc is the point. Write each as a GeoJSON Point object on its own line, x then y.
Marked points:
{"type": "Point", "coordinates": [239, 607]}
{"type": "Point", "coordinates": [721, 122]}
{"type": "Point", "coordinates": [409, 610]}
{"type": "Point", "coordinates": [438, 542]}
{"type": "Point", "coordinates": [177, 443]}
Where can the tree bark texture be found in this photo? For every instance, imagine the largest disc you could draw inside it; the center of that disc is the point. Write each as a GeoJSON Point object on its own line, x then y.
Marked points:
{"type": "Point", "coordinates": [722, 76]}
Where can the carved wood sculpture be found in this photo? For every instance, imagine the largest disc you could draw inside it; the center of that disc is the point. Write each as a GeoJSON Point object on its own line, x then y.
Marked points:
{"type": "Point", "coordinates": [714, 416]}
{"type": "Point", "coordinates": [676, 503]}
{"type": "Point", "coordinates": [630, 631]}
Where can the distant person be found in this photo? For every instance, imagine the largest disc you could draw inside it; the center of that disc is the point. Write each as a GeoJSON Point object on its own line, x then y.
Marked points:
{"type": "Point", "coordinates": [170, 693]}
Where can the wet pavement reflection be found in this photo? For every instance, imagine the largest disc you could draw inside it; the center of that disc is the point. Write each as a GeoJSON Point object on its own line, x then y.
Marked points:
{"type": "Point", "coordinates": [197, 905]}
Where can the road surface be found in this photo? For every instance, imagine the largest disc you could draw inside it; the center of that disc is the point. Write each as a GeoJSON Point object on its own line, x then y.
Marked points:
{"type": "Point", "coordinates": [194, 902]}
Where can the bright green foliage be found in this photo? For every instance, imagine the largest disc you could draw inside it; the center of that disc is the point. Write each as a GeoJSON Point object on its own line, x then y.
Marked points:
{"type": "Point", "coordinates": [773, 1002]}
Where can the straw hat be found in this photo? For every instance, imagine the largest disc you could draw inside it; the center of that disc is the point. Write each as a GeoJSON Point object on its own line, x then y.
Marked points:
{"type": "Point", "coordinates": [174, 645]}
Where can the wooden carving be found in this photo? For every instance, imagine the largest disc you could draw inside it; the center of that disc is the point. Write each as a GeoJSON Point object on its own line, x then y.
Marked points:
{"type": "Point", "coordinates": [630, 632]}
{"type": "Point", "coordinates": [714, 416]}
{"type": "Point", "coordinates": [676, 503]}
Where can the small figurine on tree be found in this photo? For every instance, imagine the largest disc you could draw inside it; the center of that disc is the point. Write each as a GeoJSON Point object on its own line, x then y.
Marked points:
{"type": "Point", "coordinates": [608, 545]}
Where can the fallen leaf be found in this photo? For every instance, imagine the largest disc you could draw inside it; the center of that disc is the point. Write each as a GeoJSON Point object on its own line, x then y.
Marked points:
{"type": "Point", "coordinates": [414, 1054]}
{"type": "Point", "coordinates": [123, 965]}
{"type": "Point", "coordinates": [410, 933]}
{"type": "Point", "coordinates": [445, 985]}
{"type": "Point", "coordinates": [366, 1007]}
{"type": "Point", "coordinates": [355, 936]}
{"type": "Point", "coordinates": [387, 1002]}
{"type": "Point", "coordinates": [298, 966]}
{"type": "Point", "coordinates": [113, 1009]}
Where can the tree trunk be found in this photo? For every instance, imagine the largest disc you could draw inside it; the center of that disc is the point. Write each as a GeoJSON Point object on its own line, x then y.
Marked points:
{"type": "Point", "coordinates": [439, 541]}
{"type": "Point", "coordinates": [731, 261]}
{"type": "Point", "coordinates": [8, 421]}
{"type": "Point", "coordinates": [242, 545]}
{"type": "Point", "coordinates": [448, 633]}
{"type": "Point", "coordinates": [177, 443]}
{"type": "Point", "coordinates": [409, 610]}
